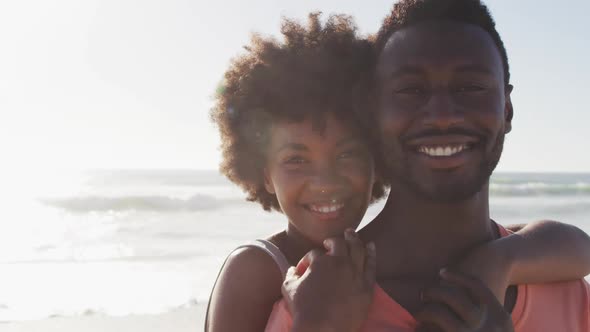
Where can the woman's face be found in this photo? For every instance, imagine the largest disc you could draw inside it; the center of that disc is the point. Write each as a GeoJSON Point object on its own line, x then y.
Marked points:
{"type": "Point", "coordinates": [323, 179]}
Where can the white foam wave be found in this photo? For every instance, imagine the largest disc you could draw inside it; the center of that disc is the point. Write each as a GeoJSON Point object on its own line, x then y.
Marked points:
{"type": "Point", "coordinates": [539, 188]}
{"type": "Point", "coordinates": [136, 202]}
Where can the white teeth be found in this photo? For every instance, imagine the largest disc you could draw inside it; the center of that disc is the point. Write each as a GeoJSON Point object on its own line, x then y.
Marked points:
{"type": "Point", "coordinates": [326, 208]}
{"type": "Point", "coordinates": [442, 151]}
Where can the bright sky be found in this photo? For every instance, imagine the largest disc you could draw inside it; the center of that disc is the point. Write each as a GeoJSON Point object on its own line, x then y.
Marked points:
{"type": "Point", "coordinates": [128, 83]}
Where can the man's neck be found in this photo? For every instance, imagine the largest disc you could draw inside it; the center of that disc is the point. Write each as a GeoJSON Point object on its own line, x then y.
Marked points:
{"type": "Point", "coordinates": [420, 236]}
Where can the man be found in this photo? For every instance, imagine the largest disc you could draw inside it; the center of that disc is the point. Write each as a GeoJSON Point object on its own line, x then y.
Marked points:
{"type": "Point", "coordinates": [443, 107]}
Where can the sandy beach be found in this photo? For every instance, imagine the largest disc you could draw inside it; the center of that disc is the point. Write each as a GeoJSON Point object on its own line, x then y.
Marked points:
{"type": "Point", "coordinates": [181, 320]}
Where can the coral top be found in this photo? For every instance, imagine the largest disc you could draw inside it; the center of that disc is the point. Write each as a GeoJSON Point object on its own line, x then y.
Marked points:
{"type": "Point", "coordinates": [553, 307]}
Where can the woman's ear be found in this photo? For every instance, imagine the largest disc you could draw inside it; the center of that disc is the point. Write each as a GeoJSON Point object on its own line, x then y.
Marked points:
{"type": "Point", "coordinates": [377, 179]}
{"type": "Point", "coordinates": [268, 184]}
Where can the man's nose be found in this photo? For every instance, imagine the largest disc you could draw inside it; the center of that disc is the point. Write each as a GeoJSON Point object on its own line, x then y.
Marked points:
{"type": "Point", "coordinates": [441, 111]}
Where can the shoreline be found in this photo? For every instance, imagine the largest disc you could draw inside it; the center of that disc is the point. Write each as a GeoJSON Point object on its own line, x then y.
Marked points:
{"type": "Point", "coordinates": [180, 320]}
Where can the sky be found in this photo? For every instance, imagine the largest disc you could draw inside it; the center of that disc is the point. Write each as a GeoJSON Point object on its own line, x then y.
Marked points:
{"type": "Point", "coordinates": [129, 83]}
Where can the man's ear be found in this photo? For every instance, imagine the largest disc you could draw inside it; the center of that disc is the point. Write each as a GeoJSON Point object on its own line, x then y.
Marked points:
{"type": "Point", "coordinates": [508, 109]}
{"type": "Point", "coordinates": [268, 184]}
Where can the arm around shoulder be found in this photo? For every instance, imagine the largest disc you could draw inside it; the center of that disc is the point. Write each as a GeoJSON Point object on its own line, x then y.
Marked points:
{"type": "Point", "coordinates": [547, 250]}
{"type": "Point", "coordinates": [540, 252]}
{"type": "Point", "coordinates": [248, 285]}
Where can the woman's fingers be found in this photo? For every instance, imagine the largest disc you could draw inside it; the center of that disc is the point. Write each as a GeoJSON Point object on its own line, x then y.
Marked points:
{"type": "Point", "coordinates": [476, 287]}
{"type": "Point", "coordinates": [356, 249]}
{"type": "Point", "coordinates": [370, 271]}
{"type": "Point", "coordinates": [491, 313]}
{"type": "Point", "coordinates": [441, 316]}
{"type": "Point", "coordinates": [459, 301]}
{"type": "Point", "coordinates": [336, 247]}
{"type": "Point", "coordinates": [306, 261]}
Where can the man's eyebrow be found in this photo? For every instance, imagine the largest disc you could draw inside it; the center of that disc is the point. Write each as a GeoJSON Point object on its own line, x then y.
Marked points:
{"type": "Point", "coordinates": [292, 146]}
{"type": "Point", "coordinates": [404, 70]}
{"type": "Point", "coordinates": [473, 68]}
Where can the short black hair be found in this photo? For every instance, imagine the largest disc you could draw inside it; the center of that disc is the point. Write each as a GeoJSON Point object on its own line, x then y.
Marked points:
{"type": "Point", "coordinates": [316, 69]}
{"type": "Point", "coordinates": [409, 12]}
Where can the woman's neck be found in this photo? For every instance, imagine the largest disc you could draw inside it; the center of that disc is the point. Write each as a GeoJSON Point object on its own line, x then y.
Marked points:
{"type": "Point", "coordinates": [293, 244]}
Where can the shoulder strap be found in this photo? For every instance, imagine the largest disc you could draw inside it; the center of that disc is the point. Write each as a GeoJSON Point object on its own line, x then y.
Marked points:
{"type": "Point", "coordinates": [268, 247]}
{"type": "Point", "coordinates": [274, 252]}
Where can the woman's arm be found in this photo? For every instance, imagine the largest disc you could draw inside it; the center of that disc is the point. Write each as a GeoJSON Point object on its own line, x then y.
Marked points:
{"type": "Point", "coordinates": [247, 287]}
{"type": "Point", "coordinates": [542, 251]}
{"type": "Point", "coordinates": [546, 251]}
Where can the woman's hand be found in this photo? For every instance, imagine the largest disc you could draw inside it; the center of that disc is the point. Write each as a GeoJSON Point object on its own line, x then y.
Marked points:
{"type": "Point", "coordinates": [462, 304]}
{"type": "Point", "coordinates": [490, 264]}
{"type": "Point", "coordinates": [332, 291]}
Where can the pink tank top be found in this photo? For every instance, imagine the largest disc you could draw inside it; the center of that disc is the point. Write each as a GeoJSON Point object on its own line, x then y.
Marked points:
{"type": "Point", "coordinates": [554, 307]}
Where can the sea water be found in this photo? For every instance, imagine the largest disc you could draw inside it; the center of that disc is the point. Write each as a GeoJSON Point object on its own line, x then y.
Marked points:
{"type": "Point", "coordinates": [120, 242]}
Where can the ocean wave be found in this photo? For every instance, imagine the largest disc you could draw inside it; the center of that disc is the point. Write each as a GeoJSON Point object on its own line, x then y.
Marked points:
{"type": "Point", "coordinates": [539, 189]}
{"type": "Point", "coordinates": [178, 177]}
{"type": "Point", "coordinates": [200, 202]}
{"type": "Point", "coordinates": [138, 203]}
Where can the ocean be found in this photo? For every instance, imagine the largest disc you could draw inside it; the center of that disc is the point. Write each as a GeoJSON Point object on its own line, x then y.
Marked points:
{"type": "Point", "coordinates": [119, 242]}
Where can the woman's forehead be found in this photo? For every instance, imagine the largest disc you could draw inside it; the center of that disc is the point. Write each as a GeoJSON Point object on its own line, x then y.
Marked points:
{"type": "Point", "coordinates": [327, 126]}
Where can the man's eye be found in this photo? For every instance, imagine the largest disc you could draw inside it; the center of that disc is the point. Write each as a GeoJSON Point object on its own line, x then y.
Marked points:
{"type": "Point", "coordinates": [469, 88]}
{"type": "Point", "coordinates": [410, 91]}
{"type": "Point", "coordinates": [347, 154]}
{"type": "Point", "coordinates": [353, 153]}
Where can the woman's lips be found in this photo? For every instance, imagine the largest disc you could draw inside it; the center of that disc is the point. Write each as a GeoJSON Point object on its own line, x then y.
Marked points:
{"type": "Point", "coordinates": [326, 210]}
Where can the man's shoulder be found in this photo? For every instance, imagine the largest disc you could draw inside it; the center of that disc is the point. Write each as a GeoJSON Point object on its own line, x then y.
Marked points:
{"type": "Point", "coordinates": [558, 306]}
{"type": "Point", "coordinates": [559, 291]}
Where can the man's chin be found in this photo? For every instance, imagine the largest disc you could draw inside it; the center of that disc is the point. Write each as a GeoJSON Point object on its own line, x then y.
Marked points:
{"type": "Point", "coordinates": [449, 188]}
{"type": "Point", "coordinates": [452, 194]}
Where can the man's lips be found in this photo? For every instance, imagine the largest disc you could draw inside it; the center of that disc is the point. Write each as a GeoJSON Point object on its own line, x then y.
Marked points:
{"type": "Point", "coordinates": [444, 151]}
{"type": "Point", "coordinates": [443, 140]}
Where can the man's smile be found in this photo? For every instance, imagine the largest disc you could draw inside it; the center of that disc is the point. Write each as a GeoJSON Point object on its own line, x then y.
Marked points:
{"type": "Point", "coordinates": [444, 151]}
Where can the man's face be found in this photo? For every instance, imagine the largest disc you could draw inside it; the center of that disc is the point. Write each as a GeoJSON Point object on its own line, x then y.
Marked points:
{"type": "Point", "coordinates": [443, 109]}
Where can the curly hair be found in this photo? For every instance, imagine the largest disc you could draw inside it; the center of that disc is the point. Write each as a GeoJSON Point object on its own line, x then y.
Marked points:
{"type": "Point", "coordinates": [409, 12]}
{"type": "Point", "coordinates": [317, 69]}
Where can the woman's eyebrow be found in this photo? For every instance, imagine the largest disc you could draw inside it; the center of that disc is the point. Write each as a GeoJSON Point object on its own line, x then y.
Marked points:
{"type": "Point", "coordinates": [292, 146]}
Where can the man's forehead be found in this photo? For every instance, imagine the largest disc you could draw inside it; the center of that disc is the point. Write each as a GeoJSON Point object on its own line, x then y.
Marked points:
{"type": "Point", "coordinates": [440, 43]}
